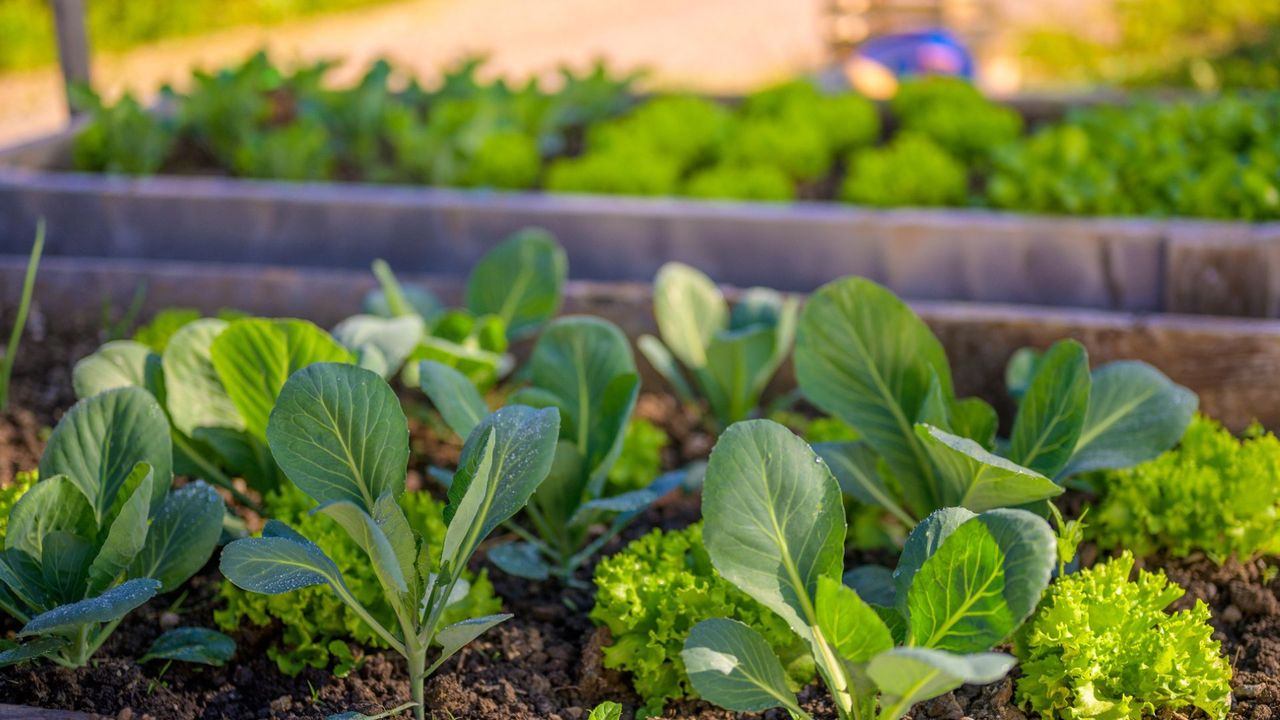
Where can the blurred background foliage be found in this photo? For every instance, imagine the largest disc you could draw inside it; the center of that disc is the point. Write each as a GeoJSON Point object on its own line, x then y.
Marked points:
{"type": "Point", "coordinates": [26, 26]}
{"type": "Point", "coordinates": [1205, 44]}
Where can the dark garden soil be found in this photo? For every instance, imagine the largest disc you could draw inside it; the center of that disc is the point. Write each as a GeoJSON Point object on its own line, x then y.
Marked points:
{"type": "Point", "coordinates": [544, 664]}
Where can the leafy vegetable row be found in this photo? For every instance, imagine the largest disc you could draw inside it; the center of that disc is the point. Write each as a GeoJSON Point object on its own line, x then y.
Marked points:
{"type": "Point", "coordinates": [310, 422]}
{"type": "Point", "coordinates": [949, 146]}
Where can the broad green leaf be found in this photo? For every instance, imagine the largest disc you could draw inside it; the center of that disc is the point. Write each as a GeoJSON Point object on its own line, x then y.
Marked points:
{"type": "Point", "coordinates": [661, 360]}
{"type": "Point", "coordinates": [38, 648]}
{"type": "Point", "coordinates": [371, 358]}
{"type": "Point", "coordinates": [865, 357]}
{"type": "Point", "coordinates": [453, 638]}
{"type": "Point", "coordinates": [739, 364]}
{"type": "Point", "coordinates": [362, 528]}
{"type": "Point", "coordinates": [956, 601]}
{"type": "Point", "coordinates": [973, 478]}
{"type": "Point", "coordinates": [182, 536]}
{"type": "Point", "coordinates": [254, 357]}
{"type": "Point", "coordinates": [194, 394]}
{"type": "Point", "coordinates": [851, 626]}
{"type": "Point", "coordinates": [521, 559]}
{"type": "Point", "coordinates": [1135, 413]}
{"type": "Point", "coordinates": [391, 520]}
{"type": "Point", "coordinates": [119, 363]}
{"type": "Point", "coordinates": [1028, 545]}
{"type": "Point", "coordinates": [100, 440]}
{"type": "Point", "coordinates": [606, 711]}
{"type": "Point", "coordinates": [126, 536]}
{"type": "Point", "coordinates": [521, 280]}
{"type": "Point", "coordinates": [338, 432]}
{"type": "Point", "coordinates": [757, 306]}
{"type": "Point", "coordinates": [21, 575]}
{"type": "Point", "coordinates": [193, 645]}
{"type": "Point", "coordinates": [907, 676]}
{"type": "Point", "coordinates": [975, 419]}
{"type": "Point", "coordinates": [273, 565]}
{"type": "Point", "coordinates": [503, 461]}
{"type": "Point", "coordinates": [392, 299]}
{"type": "Point", "coordinates": [731, 665]}
{"type": "Point", "coordinates": [110, 605]}
{"type": "Point", "coordinates": [51, 505]}
{"type": "Point", "coordinates": [64, 565]}
{"type": "Point", "coordinates": [1053, 409]}
{"type": "Point", "coordinates": [690, 311]}
{"type": "Point", "coordinates": [873, 583]}
{"type": "Point", "coordinates": [854, 465]}
{"type": "Point", "coordinates": [394, 338]}
{"type": "Point", "coordinates": [454, 396]}
{"type": "Point", "coordinates": [923, 541]}
{"type": "Point", "coordinates": [774, 518]}
{"type": "Point", "coordinates": [576, 360]}
{"type": "Point", "coordinates": [246, 454]}
{"type": "Point", "coordinates": [1019, 371]}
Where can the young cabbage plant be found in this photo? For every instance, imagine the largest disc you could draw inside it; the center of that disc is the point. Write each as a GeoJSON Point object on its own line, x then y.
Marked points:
{"type": "Point", "coordinates": [101, 533]}
{"type": "Point", "coordinates": [20, 320]}
{"type": "Point", "coordinates": [217, 381]}
{"type": "Point", "coordinates": [775, 528]}
{"type": "Point", "coordinates": [339, 434]}
{"type": "Point", "coordinates": [512, 292]}
{"type": "Point", "coordinates": [583, 367]}
{"type": "Point", "coordinates": [863, 356]}
{"type": "Point", "coordinates": [731, 354]}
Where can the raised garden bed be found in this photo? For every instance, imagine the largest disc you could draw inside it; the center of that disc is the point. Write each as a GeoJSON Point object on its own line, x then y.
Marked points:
{"type": "Point", "coordinates": [194, 211]}
{"type": "Point", "coordinates": [546, 662]}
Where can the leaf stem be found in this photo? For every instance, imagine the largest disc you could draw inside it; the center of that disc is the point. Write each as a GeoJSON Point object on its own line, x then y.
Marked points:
{"type": "Point", "coordinates": [20, 322]}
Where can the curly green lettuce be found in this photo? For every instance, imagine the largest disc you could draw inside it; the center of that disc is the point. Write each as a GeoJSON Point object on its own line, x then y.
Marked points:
{"type": "Point", "coordinates": [912, 171]}
{"type": "Point", "coordinates": [764, 183]}
{"type": "Point", "coordinates": [11, 493]}
{"type": "Point", "coordinates": [651, 595]}
{"type": "Point", "coordinates": [640, 461]}
{"type": "Point", "coordinates": [315, 622]}
{"type": "Point", "coordinates": [1102, 646]}
{"type": "Point", "coordinates": [1213, 493]}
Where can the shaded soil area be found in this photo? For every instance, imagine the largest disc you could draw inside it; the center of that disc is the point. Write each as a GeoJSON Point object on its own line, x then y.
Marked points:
{"type": "Point", "coordinates": [545, 663]}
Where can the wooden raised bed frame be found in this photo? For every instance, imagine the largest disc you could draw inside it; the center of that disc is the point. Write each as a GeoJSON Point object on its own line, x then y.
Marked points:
{"type": "Point", "coordinates": [1125, 265]}
{"type": "Point", "coordinates": [1230, 362]}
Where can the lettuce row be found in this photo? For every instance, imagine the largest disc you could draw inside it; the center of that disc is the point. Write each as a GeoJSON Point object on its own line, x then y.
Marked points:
{"type": "Point", "coordinates": [313, 619]}
{"type": "Point", "coordinates": [1102, 646]}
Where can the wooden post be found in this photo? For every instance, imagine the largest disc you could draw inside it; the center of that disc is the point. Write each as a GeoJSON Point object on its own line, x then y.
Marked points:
{"type": "Point", "coordinates": [73, 44]}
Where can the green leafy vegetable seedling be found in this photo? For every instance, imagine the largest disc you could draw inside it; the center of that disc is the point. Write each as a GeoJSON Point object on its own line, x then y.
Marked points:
{"type": "Point", "coordinates": [339, 434]}
{"type": "Point", "coordinates": [731, 354]}
{"type": "Point", "coordinates": [775, 528]}
{"type": "Point", "coordinates": [512, 291]}
{"type": "Point", "coordinates": [100, 533]}
{"type": "Point", "coordinates": [863, 356]}
{"type": "Point", "coordinates": [583, 367]}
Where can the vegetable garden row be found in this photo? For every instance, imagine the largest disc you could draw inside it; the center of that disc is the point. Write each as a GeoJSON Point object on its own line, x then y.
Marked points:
{"type": "Point", "coordinates": [246, 516]}
{"type": "Point", "coordinates": [940, 144]}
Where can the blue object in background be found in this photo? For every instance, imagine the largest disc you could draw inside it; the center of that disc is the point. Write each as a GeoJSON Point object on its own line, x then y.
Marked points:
{"type": "Point", "coordinates": [926, 52]}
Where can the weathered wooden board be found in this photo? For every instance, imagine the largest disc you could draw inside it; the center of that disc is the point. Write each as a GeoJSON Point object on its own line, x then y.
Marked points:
{"type": "Point", "coordinates": [1230, 362]}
